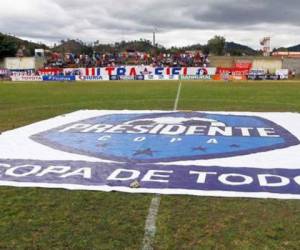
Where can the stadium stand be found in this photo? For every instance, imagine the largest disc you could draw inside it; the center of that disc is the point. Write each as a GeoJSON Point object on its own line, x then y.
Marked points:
{"type": "Point", "coordinates": [129, 57]}
{"type": "Point", "coordinates": [221, 61]}
{"type": "Point", "coordinates": [293, 64]}
{"type": "Point", "coordinates": [269, 65]}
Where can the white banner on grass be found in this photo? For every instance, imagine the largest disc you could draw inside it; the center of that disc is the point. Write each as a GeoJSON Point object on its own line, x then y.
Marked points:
{"type": "Point", "coordinates": [227, 154]}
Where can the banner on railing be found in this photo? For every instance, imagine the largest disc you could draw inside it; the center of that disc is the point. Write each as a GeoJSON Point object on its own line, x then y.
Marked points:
{"type": "Point", "coordinates": [134, 71]}
{"type": "Point", "coordinates": [26, 78]}
{"type": "Point", "coordinates": [243, 64]}
{"type": "Point", "coordinates": [283, 74]}
{"type": "Point", "coordinates": [54, 71]}
{"type": "Point", "coordinates": [4, 72]}
{"type": "Point", "coordinates": [58, 78]}
{"type": "Point", "coordinates": [196, 77]}
{"type": "Point", "coordinates": [91, 78]}
{"type": "Point", "coordinates": [233, 71]}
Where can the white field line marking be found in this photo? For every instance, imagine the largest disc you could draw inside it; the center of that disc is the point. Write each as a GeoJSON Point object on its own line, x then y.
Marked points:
{"type": "Point", "coordinates": [177, 96]}
{"type": "Point", "coordinates": [150, 225]}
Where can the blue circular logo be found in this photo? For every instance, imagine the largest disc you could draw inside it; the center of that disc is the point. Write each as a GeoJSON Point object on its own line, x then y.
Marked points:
{"type": "Point", "coordinates": [166, 137]}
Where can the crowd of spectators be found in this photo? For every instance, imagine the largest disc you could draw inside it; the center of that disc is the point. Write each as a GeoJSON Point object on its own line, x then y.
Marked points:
{"type": "Point", "coordinates": [187, 59]}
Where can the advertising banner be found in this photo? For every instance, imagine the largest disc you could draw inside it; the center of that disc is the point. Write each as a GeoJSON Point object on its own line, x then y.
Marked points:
{"type": "Point", "coordinates": [233, 71]}
{"type": "Point", "coordinates": [82, 71]}
{"type": "Point", "coordinates": [199, 71]}
{"type": "Point", "coordinates": [27, 78]}
{"type": "Point", "coordinates": [142, 70]}
{"type": "Point", "coordinates": [4, 72]}
{"type": "Point", "coordinates": [158, 71]}
{"type": "Point", "coordinates": [22, 72]}
{"type": "Point", "coordinates": [225, 154]}
{"type": "Point", "coordinates": [92, 78]}
{"type": "Point", "coordinates": [243, 64]}
{"type": "Point", "coordinates": [58, 78]}
{"type": "Point", "coordinates": [54, 71]}
{"type": "Point", "coordinates": [162, 77]}
{"type": "Point", "coordinates": [257, 74]}
{"type": "Point", "coordinates": [74, 71]}
{"type": "Point", "coordinates": [195, 77]}
{"type": "Point", "coordinates": [132, 73]}
{"type": "Point", "coordinates": [19, 63]}
{"type": "Point", "coordinates": [283, 74]}
{"type": "Point", "coordinates": [139, 77]}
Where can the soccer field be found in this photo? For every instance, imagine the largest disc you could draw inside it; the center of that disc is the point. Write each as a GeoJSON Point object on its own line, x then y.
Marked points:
{"type": "Point", "coordinates": [33, 218]}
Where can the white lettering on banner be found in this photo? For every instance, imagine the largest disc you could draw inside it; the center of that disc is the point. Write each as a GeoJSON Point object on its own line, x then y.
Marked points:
{"type": "Point", "coordinates": [297, 180]}
{"type": "Point", "coordinates": [226, 131]}
{"type": "Point", "coordinates": [165, 129]}
{"type": "Point", "coordinates": [54, 170]}
{"type": "Point", "coordinates": [266, 132]}
{"type": "Point", "coordinates": [98, 128]}
{"type": "Point", "coordinates": [13, 171]}
{"type": "Point", "coordinates": [202, 175]}
{"type": "Point", "coordinates": [175, 140]}
{"type": "Point", "coordinates": [104, 138]}
{"type": "Point", "coordinates": [224, 178]}
{"type": "Point", "coordinates": [263, 180]}
{"type": "Point", "coordinates": [245, 131]}
{"type": "Point", "coordinates": [117, 129]}
{"type": "Point", "coordinates": [121, 175]}
{"type": "Point", "coordinates": [151, 176]}
{"type": "Point", "coordinates": [212, 141]}
{"type": "Point", "coordinates": [161, 176]}
{"type": "Point", "coordinates": [131, 175]}
{"type": "Point", "coordinates": [84, 172]}
{"type": "Point", "coordinates": [140, 129]}
{"type": "Point", "coordinates": [77, 126]}
{"type": "Point", "coordinates": [38, 171]}
{"type": "Point", "coordinates": [3, 165]}
{"type": "Point", "coordinates": [196, 130]}
{"type": "Point", "coordinates": [173, 130]}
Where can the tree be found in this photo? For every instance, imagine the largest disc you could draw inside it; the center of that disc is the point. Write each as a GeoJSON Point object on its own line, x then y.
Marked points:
{"type": "Point", "coordinates": [281, 49]}
{"type": "Point", "coordinates": [205, 49]}
{"type": "Point", "coordinates": [216, 45]}
{"type": "Point", "coordinates": [7, 47]}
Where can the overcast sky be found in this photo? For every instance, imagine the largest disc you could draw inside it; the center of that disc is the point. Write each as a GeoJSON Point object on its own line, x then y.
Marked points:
{"type": "Point", "coordinates": [178, 22]}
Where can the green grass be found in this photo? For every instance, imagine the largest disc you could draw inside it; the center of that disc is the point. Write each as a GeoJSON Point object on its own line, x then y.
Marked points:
{"type": "Point", "coordinates": [58, 219]}
{"type": "Point", "coordinates": [22, 104]}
